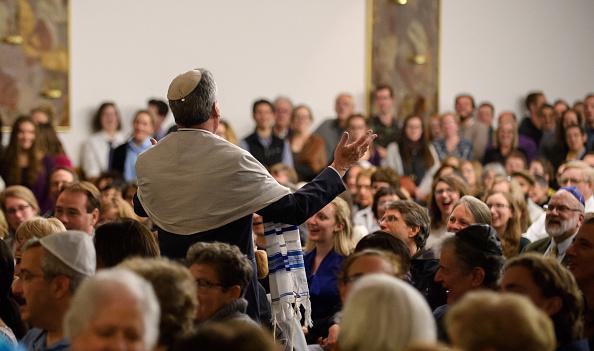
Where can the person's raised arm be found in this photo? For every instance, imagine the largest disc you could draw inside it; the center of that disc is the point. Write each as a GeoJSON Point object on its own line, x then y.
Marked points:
{"type": "Point", "coordinates": [346, 156]}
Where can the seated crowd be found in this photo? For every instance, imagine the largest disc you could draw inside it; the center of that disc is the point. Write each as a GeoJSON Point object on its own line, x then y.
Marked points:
{"type": "Point", "coordinates": [453, 234]}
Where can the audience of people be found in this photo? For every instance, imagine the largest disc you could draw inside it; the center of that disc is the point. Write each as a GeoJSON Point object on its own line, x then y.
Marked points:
{"type": "Point", "coordinates": [488, 194]}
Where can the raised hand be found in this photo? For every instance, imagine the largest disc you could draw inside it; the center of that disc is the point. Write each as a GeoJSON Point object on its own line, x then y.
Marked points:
{"type": "Point", "coordinates": [346, 156]}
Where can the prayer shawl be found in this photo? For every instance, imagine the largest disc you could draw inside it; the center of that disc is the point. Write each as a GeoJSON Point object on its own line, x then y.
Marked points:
{"type": "Point", "coordinates": [193, 181]}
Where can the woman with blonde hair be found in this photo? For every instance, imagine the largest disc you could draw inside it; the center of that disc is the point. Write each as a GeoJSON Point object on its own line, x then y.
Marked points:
{"type": "Point", "coordinates": [385, 313]}
{"type": "Point", "coordinates": [507, 221]}
{"type": "Point", "coordinates": [225, 131]}
{"type": "Point", "coordinates": [509, 185]}
{"type": "Point", "coordinates": [115, 208]}
{"type": "Point", "coordinates": [34, 227]}
{"type": "Point", "coordinates": [18, 204]}
{"type": "Point", "coordinates": [330, 241]}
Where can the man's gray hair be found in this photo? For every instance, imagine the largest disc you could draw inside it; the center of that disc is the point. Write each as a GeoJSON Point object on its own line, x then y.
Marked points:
{"type": "Point", "coordinates": [108, 285]}
{"type": "Point", "coordinates": [196, 107]}
{"type": "Point", "coordinates": [414, 215]}
{"type": "Point", "coordinates": [52, 266]}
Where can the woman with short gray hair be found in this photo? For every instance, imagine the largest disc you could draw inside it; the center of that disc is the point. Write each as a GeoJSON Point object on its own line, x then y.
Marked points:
{"type": "Point", "coordinates": [117, 301]}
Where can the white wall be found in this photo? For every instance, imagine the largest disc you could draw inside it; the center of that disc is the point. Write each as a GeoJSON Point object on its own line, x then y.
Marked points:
{"type": "Point", "coordinates": [129, 51]}
{"type": "Point", "coordinates": [500, 50]}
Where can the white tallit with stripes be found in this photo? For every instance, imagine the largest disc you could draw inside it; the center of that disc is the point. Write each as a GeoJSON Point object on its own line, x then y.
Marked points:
{"type": "Point", "coordinates": [288, 282]}
{"type": "Point", "coordinates": [193, 181]}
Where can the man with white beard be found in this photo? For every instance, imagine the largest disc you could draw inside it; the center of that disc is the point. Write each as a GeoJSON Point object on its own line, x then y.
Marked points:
{"type": "Point", "coordinates": [564, 217]}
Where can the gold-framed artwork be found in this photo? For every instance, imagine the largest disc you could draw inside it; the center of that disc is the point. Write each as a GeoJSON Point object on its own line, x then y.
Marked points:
{"type": "Point", "coordinates": [403, 52]}
{"type": "Point", "coordinates": [34, 59]}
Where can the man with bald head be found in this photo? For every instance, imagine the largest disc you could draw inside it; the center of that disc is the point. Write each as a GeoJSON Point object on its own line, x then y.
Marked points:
{"type": "Point", "coordinates": [564, 217]}
{"type": "Point", "coordinates": [331, 130]}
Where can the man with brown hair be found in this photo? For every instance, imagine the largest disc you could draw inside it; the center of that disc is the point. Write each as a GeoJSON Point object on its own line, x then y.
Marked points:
{"type": "Point", "coordinates": [78, 206]}
{"type": "Point", "coordinates": [384, 123]}
{"type": "Point", "coordinates": [553, 289]}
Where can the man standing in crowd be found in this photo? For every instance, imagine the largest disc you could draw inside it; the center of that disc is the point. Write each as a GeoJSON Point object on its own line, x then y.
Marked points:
{"type": "Point", "coordinates": [283, 108]}
{"type": "Point", "coordinates": [263, 144]}
{"type": "Point", "coordinates": [331, 130]}
{"type": "Point", "coordinates": [78, 206]}
{"type": "Point", "coordinates": [384, 124]}
{"type": "Point", "coordinates": [197, 187]}
{"type": "Point", "coordinates": [564, 217]}
{"type": "Point", "coordinates": [478, 133]}
{"type": "Point", "coordinates": [159, 109]}
{"type": "Point", "coordinates": [52, 268]}
{"type": "Point", "coordinates": [531, 125]}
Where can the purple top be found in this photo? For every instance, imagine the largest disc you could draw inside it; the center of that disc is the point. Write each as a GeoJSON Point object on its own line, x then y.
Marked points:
{"type": "Point", "coordinates": [40, 186]}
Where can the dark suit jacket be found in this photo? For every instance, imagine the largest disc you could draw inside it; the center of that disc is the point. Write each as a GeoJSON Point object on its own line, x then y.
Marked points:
{"type": "Point", "coordinates": [293, 208]}
{"type": "Point", "coordinates": [119, 158]}
{"type": "Point", "coordinates": [541, 246]}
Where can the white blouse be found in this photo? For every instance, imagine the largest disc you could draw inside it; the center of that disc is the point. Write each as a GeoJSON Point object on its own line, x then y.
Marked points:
{"type": "Point", "coordinates": [95, 152]}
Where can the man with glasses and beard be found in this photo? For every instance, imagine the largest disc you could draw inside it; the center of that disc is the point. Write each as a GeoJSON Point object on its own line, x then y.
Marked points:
{"type": "Point", "coordinates": [564, 217]}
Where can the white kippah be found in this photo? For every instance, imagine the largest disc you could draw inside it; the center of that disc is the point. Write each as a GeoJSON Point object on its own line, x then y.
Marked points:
{"type": "Point", "coordinates": [74, 248]}
{"type": "Point", "coordinates": [184, 84]}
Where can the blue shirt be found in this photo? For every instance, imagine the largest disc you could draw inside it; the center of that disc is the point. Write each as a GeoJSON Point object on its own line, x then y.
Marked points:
{"type": "Point", "coordinates": [132, 152]}
{"type": "Point", "coordinates": [323, 286]}
{"type": "Point", "coordinates": [36, 338]}
{"type": "Point", "coordinates": [464, 149]}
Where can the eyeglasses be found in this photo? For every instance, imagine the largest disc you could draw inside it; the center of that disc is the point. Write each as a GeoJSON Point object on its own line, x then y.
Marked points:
{"type": "Point", "coordinates": [203, 284]}
{"type": "Point", "coordinates": [565, 182]}
{"type": "Point", "coordinates": [497, 206]}
{"type": "Point", "coordinates": [26, 276]}
{"type": "Point", "coordinates": [13, 211]}
{"type": "Point", "coordinates": [388, 219]}
{"type": "Point", "coordinates": [448, 191]}
{"type": "Point", "coordinates": [561, 208]}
